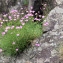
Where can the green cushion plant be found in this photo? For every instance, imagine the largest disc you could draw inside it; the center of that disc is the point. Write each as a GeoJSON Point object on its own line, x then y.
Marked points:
{"type": "Point", "coordinates": [16, 40]}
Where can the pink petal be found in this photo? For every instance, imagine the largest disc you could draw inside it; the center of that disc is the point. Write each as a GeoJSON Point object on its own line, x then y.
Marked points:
{"type": "Point", "coordinates": [1, 50]}
{"type": "Point", "coordinates": [17, 49]}
{"type": "Point", "coordinates": [37, 44]}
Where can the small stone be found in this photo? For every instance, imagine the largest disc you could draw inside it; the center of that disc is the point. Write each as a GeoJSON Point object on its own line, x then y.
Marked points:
{"type": "Point", "coordinates": [52, 44]}
{"type": "Point", "coordinates": [45, 45]}
{"type": "Point", "coordinates": [39, 49]}
{"type": "Point", "coordinates": [61, 36]}
{"type": "Point", "coordinates": [32, 55]}
{"type": "Point", "coordinates": [48, 36]}
{"type": "Point", "coordinates": [55, 37]}
{"type": "Point", "coordinates": [51, 40]}
{"type": "Point", "coordinates": [61, 32]}
{"type": "Point", "coordinates": [39, 52]}
{"type": "Point", "coordinates": [47, 60]}
{"type": "Point", "coordinates": [53, 33]}
{"type": "Point", "coordinates": [28, 62]}
{"type": "Point", "coordinates": [20, 61]}
{"type": "Point", "coordinates": [56, 26]}
{"type": "Point", "coordinates": [54, 59]}
{"type": "Point", "coordinates": [40, 60]}
{"type": "Point", "coordinates": [34, 49]}
{"type": "Point", "coordinates": [53, 52]}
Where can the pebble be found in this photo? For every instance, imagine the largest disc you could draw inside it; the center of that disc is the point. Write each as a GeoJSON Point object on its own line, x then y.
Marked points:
{"type": "Point", "coordinates": [45, 45]}
{"type": "Point", "coordinates": [47, 60]}
{"type": "Point", "coordinates": [51, 40]}
{"type": "Point", "coordinates": [53, 44]}
{"type": "Point", "coordinates": [53, 53]}
{"type": "Point", "coordinates": [39, 49]}
{"type": "Point", "coordinates": [28, 62]}
{"type": "Point", "coordinates": [61, 36]}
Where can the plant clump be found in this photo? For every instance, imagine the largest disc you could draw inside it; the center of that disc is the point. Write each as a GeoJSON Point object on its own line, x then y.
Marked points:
{"type": "Point", "coordinates": [16, 31]}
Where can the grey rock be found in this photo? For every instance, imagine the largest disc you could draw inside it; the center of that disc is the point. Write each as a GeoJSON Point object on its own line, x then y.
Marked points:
{"type": "Point", "coordinates": [59, 1]}
{"type": "Point", "coordinates": [61, 61]}
{"type": "Point", "coordinates": [39, 49]}
{"type": "Point", "coordinates": [45, 53]}
{"type": "Point", "coordinates": [47, 60]}
{"type": "Point", "coordinates": [45, 45]}
{"type": "Point", "coordinates": [54, 59]}
{"type": "Point", "coordinates": [53, 53]}
{"type": "Point", "coordinates": [54, 18]}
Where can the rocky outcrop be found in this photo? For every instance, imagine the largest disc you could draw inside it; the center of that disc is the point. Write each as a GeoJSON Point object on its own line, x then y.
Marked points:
{"type": "Point", "coordinates": [54, 16]}
{"type": "Point", "coordinates": [7, 5]}
{"type": "Point", "coordinates": [59, 2]}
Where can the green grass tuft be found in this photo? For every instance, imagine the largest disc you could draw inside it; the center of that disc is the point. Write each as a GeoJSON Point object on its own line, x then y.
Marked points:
{"type": "Point", "coordinates": [30, 31]}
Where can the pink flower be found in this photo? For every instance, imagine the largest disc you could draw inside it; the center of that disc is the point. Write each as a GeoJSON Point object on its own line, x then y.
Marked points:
{"type": "Point", "coordinates": [44, 8]}
{"type": "Point", "coordinates": [13, 43]}
{"type": "Point", "coordinates": [30, 11]}
{"type": "Point", "coordinates": [14, 15]}
{"type": "Point", "coordinates": [16, 49]}
{"type": "Point", "coordinates": [39, 15]}
{"type": "Point", "coordinates": [1, 22]}
{"type": "Point", "coordinates": [26, 16]}
{"type": "Point", "coordinates": [3, 33]}
{"type": "Point", "coordinates": [27, 11]}
{"type": "Point", "coordinates": [6, 30]}
{"type": "Point", "coordinates": [1, 50]}
{"type": "Point", "coordinates": [17, 34]}
{"type": "Point", "coordinates": [21, 20]}
{"type": "Point", "coordinates": [12, 27]}
{"type": "Point", "coordinates": [13, 11]}
{"type": "Point", "coordinates": [10, 17]}
{"type": "Point", "coordinates": [45, 4]}
{"type": "Point", "coordinates": [43, 16]}
{"type": "Point", "coordinates": [17, 27]}
{"type": "Point", "coordinates": [22, 13]}
{"type": "Point", "coordinates": [37, 44]}
{"type": "Point", "coordinates": [33, 11]}
{"type": "Point", "coordinates": [29, 14]}
{"type": "Point", "coordinates": [17, 16]}
{"type": "Point", "coordinates": [37, 19]}
{"type": "Point", "coordinates": [31, 7]}
{"type": "Point", "coordinates": [8, 27]}
{"type": "Point", "coordinates": [23, 23]}
{"type": "Point", "coordinates": [20, 27]}
{"type": "Point", "coordinates": [5, 15]}
{"type": "Point", "coordinates": [46, 23]}
{"type": "Point", "coordinates": [21, 8]}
